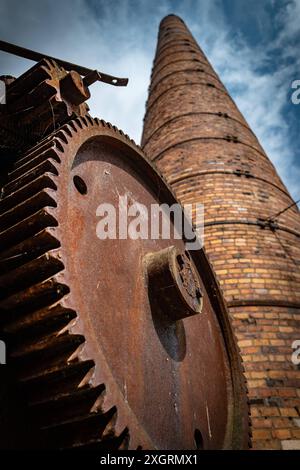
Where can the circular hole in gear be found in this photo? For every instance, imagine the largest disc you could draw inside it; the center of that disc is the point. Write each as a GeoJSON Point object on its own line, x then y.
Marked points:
{"type": "Point", "coordinates": [198, 439]}
{"type": "Point", "coordinates": [80, 184]}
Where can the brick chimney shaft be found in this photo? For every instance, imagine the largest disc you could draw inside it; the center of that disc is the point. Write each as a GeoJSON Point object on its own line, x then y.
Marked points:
{"type": "Point", "coordinates": [204, 147]}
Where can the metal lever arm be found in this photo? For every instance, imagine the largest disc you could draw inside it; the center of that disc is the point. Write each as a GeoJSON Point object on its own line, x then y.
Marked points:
{"type": "Point", "coordinates": [37, 56]}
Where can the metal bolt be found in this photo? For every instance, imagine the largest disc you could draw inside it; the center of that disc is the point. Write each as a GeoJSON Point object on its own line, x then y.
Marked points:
{"type": "Point", "coordinates": [173, 279]}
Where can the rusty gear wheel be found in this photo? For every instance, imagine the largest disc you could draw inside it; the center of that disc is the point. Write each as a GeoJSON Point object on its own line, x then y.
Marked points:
{"type": "Point", "coordinates": [104, 355]}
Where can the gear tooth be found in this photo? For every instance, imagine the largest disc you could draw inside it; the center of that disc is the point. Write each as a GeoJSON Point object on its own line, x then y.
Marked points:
{"type": "Point", "coordinates": [64, 406]}
{"type": "Point", "coordinates": [26, 275]}
{"type": "Point", "coordinates": [28, 249]}
{"type": "Point", "coordinates": [27, 228]}
{"type": "Point", "coordinates": [59, 144]}
{"type": "Point", "coordinates": [107, 443]}
{"type": "Point", "coordinates": [84, 121]}
{"type": "Point", "coordinates": [48, 166]}
{"type": "Point", "coordinates": [34, 158]}
{"type": "Point", "coordinates": [50, 351]}
{"type": "Point", "coordinates": [73, 126]}
{"type": "Point", "coordinates": [57, 379]}
{"type": "Point", "coordinates": [33, 152]}
{"type": "Point", "coordinates": [46, 181]}
{"type": "Point", "coordinates": [40, 322]}
{"type": "Point", "coordinates": [121, 442]}
{"type": "Point", "coordinates": [90, 120]}
{"type": "Point", "coordinates": [32, 298]}
{"type": "Point", "coordinates": [60, 138]}
{"type": "Point", "coordinates": [67, 129]}
{"type": "Point", "coordinates": [111, 418]}
{"type": "Point", "coordinates": [33, 163]}
{"type": "Point", "coordinates": [78, 122]}
{"type": "Point", "coordinates": [47, 64]}
{"type": "Point", "coordinates": [21, 211]}
{"type": "Point", "coordinates": [39, 147]}
{"type": "Point", "coordinates": [70, 432]}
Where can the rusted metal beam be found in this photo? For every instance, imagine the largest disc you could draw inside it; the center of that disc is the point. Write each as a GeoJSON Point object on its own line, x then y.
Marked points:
{"type": "Point", "coordinates": [37, 56]}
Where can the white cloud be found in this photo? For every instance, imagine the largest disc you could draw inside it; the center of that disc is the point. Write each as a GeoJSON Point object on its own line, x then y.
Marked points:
{"type": "Point", "coordinates": [119, 37]}
{"type": "Point", "coordinates": [261, 96]}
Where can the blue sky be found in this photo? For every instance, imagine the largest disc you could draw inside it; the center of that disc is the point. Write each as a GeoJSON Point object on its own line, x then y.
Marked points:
{"type": "Point", "coordinates": [253, 45]}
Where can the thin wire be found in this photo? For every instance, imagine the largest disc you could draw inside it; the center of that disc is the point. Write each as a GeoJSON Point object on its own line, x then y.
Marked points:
{"type": "Point", "coordinates": [53, 117]}
{"type": "Point", "coordinates": [284, 210]}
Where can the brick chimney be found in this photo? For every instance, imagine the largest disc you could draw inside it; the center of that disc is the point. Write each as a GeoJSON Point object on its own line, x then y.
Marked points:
{"type": "Point", "coordinates": [202, 144]}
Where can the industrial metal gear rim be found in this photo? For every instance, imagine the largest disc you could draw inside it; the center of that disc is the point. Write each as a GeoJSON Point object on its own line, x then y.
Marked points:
{"type": "Point", "coordinates": [46, 267]}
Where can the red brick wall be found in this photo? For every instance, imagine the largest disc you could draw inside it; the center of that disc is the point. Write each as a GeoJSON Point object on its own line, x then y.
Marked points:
{"type": "Point", "coordinates": [207, 152]}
